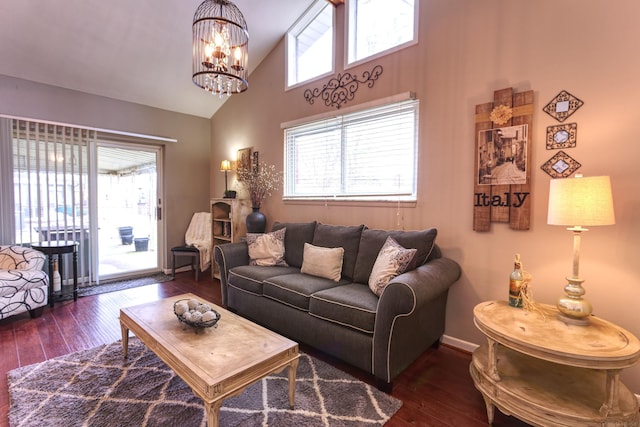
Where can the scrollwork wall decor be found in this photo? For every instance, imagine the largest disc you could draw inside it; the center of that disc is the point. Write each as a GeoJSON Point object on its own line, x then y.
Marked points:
{"type": "Point", "coordinates": [342, 88]}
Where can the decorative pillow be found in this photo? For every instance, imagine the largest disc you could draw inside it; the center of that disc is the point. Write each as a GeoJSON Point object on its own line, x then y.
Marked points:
{"type": "Point", "coordinates": [322, 262]}
{"type": "Point", "coordinates": [267, 249]}
{"type": "Point", "coordinates": [392, 260]}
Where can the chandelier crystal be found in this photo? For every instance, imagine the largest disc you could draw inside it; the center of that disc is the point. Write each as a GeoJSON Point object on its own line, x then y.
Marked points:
{"type": "Point", "coordinates": [220, 48]}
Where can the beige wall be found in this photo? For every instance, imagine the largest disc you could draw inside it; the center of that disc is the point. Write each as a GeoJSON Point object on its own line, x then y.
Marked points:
{"type": "Point", "coordinates": [468, 49]}
{"type": "Point", "coordinates": [186, 162]}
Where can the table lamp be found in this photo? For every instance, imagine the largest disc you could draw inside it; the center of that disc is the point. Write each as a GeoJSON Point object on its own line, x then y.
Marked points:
{"type": "Point", "coordinates": [578, 202]}
{"type": "Point", "coordinates": [225, 166]}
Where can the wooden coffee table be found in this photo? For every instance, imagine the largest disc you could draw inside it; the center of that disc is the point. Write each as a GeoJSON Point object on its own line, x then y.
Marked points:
{"type": "Point", "coordinates": [217, 363]}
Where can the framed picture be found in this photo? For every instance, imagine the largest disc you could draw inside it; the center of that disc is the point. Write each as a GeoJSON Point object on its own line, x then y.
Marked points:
{"type": "Point", "coordinates": [243, 158]}
{"type": "Point", "coordinates": [502, 155]}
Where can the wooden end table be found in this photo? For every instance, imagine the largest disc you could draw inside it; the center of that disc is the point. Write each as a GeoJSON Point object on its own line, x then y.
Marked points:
{"type": "Point", "coordinates": [217, 363]}
{"type": "Point", "coordinates": [550, 373]}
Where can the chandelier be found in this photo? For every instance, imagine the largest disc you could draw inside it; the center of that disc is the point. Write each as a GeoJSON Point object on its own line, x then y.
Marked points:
{"type": "Point", "coordinates": [220, 48]}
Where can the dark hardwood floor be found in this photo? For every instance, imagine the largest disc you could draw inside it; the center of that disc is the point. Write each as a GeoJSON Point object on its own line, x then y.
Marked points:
{"type": "Point", "coordinates": [436, 389]}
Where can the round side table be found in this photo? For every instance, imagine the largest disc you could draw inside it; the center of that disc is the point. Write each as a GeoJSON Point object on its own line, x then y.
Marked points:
{"type": "Point", "coordinates": [56, 249]}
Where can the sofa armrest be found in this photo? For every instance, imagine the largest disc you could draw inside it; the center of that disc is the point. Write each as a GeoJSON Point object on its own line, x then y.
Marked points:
{"type": "Point", "coordinates": [227, 256]}
{"type": "Point", "coordinates": [410, 315]}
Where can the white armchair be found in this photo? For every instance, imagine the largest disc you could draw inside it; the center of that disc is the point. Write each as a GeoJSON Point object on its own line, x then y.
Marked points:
{"type": "Point", "coordinates": [24, 286]}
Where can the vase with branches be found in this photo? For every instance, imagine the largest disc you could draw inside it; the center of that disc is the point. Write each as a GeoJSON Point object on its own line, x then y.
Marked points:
{"type": "Point", "coordinates": [259, 182]}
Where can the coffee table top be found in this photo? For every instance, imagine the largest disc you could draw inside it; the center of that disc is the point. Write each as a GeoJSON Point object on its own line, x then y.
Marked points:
{"type": "Point", "coordinates": [218, 359]}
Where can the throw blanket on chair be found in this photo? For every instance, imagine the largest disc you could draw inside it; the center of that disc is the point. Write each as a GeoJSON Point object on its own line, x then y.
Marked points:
{"type": "Point", "coordinates": [199, 235]}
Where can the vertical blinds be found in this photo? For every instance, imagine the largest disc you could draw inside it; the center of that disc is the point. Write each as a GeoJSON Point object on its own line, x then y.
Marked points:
{"type": "Point", "coordinates": [51, 183]}
{"type": "Point", "coordinates": [370, 154]}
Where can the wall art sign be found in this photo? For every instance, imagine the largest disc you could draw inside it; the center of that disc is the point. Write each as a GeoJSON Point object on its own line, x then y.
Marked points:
{"type": "Point", "coordinates": [502, 180]}
{"type": "Point", "coordinates": [562, 106]}
{"type": "Point", "coordinates": [562, 136]}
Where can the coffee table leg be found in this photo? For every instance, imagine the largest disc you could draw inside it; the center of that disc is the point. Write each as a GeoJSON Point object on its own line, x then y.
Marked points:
{"type": "Point", "coordinates": [213, 412]}
{"type": "Point", "coordinates": [125, 340]}
{"type": "Point", "coordinates": [293, 367]}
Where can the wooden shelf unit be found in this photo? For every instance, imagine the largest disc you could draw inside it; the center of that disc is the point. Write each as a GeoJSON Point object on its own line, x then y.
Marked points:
{"type": "Point", "coordinates": [227, 223]}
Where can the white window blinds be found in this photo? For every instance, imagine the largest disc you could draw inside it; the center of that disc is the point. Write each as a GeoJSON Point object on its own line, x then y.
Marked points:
{"type": "Point", "coordinates": [368, 155]}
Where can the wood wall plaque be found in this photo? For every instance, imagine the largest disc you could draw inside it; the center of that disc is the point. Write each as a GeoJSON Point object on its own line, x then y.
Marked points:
{"type": "Point", "coordinates": [507, 203]}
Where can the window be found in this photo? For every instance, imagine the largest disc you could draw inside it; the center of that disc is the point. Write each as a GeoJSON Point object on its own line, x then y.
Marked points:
{"type": "Point", "coordinates": [376, 26]}
{"type": "Point", "coordinates": [367, 155]}
{"type": "Point", "coordinates": [310, 44]}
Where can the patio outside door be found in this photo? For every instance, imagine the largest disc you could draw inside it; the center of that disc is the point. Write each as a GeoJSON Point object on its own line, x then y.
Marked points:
{"type": "Point", "coordinates": [128, 201]}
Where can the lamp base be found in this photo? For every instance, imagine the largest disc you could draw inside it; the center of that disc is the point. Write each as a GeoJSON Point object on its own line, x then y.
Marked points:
{"type": "Point", "coordinates": [573, 308]}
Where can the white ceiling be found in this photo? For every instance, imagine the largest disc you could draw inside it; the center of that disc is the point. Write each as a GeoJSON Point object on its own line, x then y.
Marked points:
{"type": "Point", "coordinates": [132, 50]}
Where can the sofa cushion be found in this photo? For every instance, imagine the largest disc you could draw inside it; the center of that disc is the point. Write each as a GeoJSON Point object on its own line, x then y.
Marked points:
{"type": "Point", "coordinates": [322, 262]}
{"type": "Point", "coordinates": [296, 289]}
{"type": "Point", "coordinates": [347, 237]}
{"type": "Point", "coordinates": [372, 241]}
{"type": "Point", "coordinates": [298, 233]}
{"type": "Point", "coordinates": [393, 259]}
{"type": "Point", "coordinates": [250, 277]}
{"type": "Point", "coordinates": [267, 248]}
{"type": "Point", "coordinates": [352, 305]}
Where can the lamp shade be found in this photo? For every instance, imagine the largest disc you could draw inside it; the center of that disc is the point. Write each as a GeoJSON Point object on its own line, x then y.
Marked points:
{"type": "Point", "coordinates": [581, 201]}
{"type": "Point", "coordinates": [225, 165]}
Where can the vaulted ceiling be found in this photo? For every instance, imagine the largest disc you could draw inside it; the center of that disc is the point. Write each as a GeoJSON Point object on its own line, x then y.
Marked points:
{"type": "Point", "coordinates": [135, 51]}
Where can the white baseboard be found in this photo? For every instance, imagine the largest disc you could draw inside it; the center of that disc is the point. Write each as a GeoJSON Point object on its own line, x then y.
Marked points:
{"type": "Point", "coordinates": [458, 343]}
{"type": "Point", "coordinates": [167, 271]}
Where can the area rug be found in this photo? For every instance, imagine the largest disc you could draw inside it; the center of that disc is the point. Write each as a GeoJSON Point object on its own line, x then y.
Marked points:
{"type": "Point", "coordinates": [123, 284]}
{"type": "Point", "coordinates": [97, 387]}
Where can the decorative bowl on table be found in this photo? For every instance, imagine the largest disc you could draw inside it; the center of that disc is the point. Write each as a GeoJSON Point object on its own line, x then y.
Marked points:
{"type": "Point", "coordinates": [195, 314]}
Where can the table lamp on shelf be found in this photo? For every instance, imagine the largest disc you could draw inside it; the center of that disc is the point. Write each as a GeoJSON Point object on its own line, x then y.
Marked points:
{"type": "Point", "coordinates": [578, 202]}
{"type": "Point", "coordinates": [225, 166]}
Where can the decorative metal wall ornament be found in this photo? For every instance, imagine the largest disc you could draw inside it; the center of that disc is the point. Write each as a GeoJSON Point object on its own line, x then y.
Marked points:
{"type": "Point", "coordinates": [561, 165]}
{"type": "Point", "coordinates": [562, 136]}
{"type": "Point", "coordinates": [562, 106]}
{"type": "Point", "coordinates": [341, 89]}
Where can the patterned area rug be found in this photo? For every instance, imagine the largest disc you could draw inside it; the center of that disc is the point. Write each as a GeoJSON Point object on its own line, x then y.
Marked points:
{"type": "Point", "coordinates": [123, 284]}
{"type": "Point", "coordinates": [97, 387]}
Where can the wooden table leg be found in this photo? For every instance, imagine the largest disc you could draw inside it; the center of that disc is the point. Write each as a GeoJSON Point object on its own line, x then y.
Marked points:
{"type": "Point", "coordinates": [125, 340]}
{"type": "Point", "coordinates": [490, 409]}
{"type": "Point", "coordinates": [492, 369]}
{"type": "Point", "coordinates": [293, 367]}
{"type": "Point", "coordinates": [213, 412]}
{"type": "Point", "coordinates": [611, 406]}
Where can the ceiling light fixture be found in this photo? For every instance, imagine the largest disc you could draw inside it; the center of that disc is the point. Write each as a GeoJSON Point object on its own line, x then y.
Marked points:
{"type": "Point", "coordinates": [220, 48]}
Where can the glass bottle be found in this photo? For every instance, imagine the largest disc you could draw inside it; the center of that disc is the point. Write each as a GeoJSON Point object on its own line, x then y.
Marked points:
{"type": "Point", "coordinates": [57, 280]}
{"type": "Point", "coordinates": [515, 283]}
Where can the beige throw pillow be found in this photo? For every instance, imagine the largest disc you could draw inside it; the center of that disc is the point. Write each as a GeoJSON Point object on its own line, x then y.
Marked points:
{"type": "Point", "coordinates": [267, 249]}
{"type": "Point", "coordinates": [322, 262]}
{"type": "Point", "coordinates": [392, 260]}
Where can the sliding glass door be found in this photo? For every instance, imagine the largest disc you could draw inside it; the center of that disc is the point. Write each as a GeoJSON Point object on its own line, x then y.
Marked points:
{"type": "Point", "coordinates": [127, 207]}
{"type": "Point", "coordinates": [66, 183]}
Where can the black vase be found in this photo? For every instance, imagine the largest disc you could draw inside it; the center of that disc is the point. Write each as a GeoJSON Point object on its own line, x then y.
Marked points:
{"type": "Point", "coordinates": [256, 221]}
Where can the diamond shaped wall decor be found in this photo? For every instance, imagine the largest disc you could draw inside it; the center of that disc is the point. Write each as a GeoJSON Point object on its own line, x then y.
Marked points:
{"type": "Point", "coordinates": [562, 136]}
{"type": "Point", "coordinates": [561, 165]}
{"type": "Point", "coordinates": [562, 106]}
